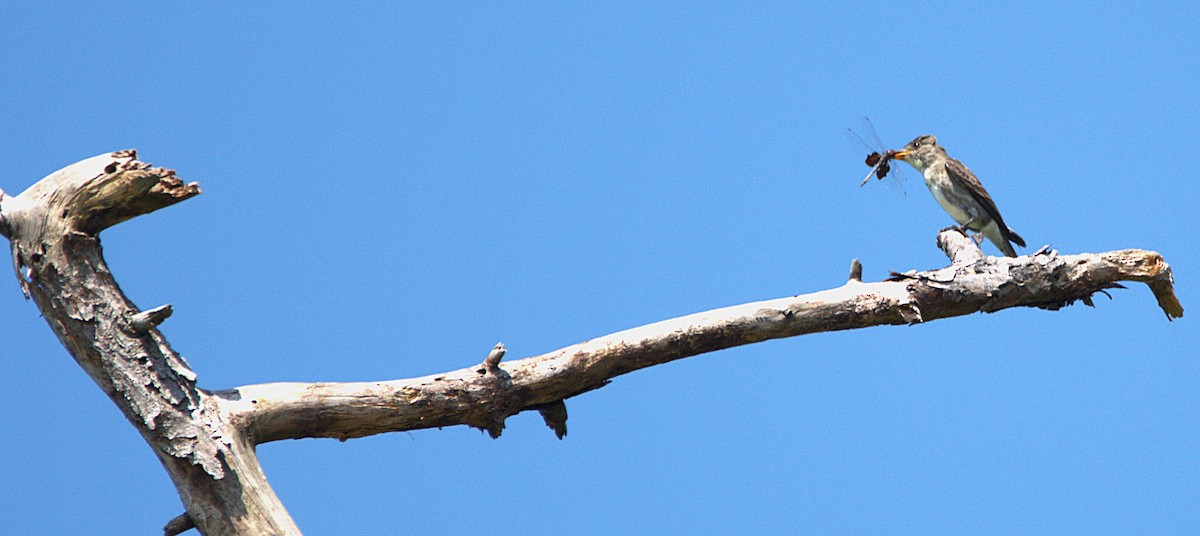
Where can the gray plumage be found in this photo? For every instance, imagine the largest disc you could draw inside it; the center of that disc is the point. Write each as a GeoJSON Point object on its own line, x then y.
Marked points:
{"type": "Point", "coordinates": [959, 192]}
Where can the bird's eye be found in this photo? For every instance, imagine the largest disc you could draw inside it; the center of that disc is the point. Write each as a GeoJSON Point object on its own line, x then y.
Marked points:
{"type": "Point", "coordinates": [917, 143]}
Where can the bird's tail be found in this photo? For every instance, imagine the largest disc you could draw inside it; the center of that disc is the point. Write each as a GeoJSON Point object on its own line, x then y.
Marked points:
{"type": "Point", "coordinates": [1003, 244]}
{"type": "Point", "coordinates": [1016, 238]}
{"type": "Point", "coordinates": [1005, 248]}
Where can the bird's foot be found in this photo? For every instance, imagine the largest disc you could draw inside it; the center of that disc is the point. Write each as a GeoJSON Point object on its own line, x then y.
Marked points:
{"type": "Point", "coordinates": [965, 229]}
{"type": "Point", "coordinates": [958, 228]}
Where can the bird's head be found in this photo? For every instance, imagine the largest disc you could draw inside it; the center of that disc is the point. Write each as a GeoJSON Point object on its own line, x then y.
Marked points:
{"type": "Point", "coordinates": [921, 152]}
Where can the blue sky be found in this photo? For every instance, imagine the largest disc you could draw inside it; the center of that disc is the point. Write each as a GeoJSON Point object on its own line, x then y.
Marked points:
{"type": "Point", "coordinates": [388, 191]}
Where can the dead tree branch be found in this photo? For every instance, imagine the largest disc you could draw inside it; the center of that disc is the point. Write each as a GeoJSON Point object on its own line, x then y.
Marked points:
{"type": "Point", "coordinates": [206, 439]}
{"type": "Point", "coordinates": [474, 397]}
{"type": "Point", "coordinates": [53, 228]}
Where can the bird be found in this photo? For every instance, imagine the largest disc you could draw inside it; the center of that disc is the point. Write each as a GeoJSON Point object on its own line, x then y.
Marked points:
{"type": "Point", "coordinates": [959, 192]}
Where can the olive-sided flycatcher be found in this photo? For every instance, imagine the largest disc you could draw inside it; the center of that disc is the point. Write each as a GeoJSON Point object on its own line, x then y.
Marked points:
{"type": "Point", "coordinates": [959, 192]}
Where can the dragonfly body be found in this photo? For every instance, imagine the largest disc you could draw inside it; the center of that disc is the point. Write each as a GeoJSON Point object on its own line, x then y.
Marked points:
{"type": "Point", "coordinates": [879, 158]}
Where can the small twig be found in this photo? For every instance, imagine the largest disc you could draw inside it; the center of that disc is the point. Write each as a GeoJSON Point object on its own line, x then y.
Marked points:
{"type": "Point", "coordinates": [493, 359]}
{"type": "Point", "coordinates": [856, 270]}
{"type": "Point", "coordinates": [179, 525]}
{"type": "Point", "coordinates": [143, 321]}
{"type": "Point", "coordinates": [958, 246]}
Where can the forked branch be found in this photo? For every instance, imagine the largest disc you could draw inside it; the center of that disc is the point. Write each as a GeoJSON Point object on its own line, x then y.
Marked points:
{"type": "Point", "coordinates": [206, 439]}
{"type": "Point", "coordinates": [53, 229]}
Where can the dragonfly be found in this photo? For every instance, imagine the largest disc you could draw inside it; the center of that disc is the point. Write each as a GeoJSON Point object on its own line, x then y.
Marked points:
{"type": "Point", "coordinates": [879, 157]}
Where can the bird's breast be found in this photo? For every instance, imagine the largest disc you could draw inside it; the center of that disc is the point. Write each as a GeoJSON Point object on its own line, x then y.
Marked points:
{"type": "Point", "coordinates": [951, 200]}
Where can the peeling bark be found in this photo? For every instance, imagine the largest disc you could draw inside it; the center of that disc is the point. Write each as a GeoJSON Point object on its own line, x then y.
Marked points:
{"type": "Point", "coordinates": [206, 440]}
{"type": "Point", "coordinates": [53, 228]}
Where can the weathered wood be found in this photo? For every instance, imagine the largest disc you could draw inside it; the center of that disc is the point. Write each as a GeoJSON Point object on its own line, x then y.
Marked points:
{"type": "Point", "coordinates": [206, 440]}
{"type": "Point", "coordinates": [472, 396]}
{"type": "Point", "coordinates": [53, 230]}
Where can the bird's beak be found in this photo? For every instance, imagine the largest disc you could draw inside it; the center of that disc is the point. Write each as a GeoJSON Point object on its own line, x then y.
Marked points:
{"type": "Point", "coordinates": [901, 154]}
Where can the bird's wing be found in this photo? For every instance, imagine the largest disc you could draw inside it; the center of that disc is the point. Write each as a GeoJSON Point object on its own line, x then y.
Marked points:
{"type": "Point", "coordinates": [959, 173]}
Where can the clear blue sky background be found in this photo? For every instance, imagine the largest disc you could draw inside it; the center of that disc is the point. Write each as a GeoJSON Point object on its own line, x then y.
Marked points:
{"type": "Point", "coordinates": [388, 191]}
